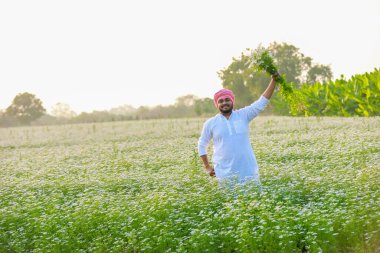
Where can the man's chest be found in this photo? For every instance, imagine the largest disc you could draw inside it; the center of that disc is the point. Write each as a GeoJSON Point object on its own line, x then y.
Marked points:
{"type": "Point", "coordinates": [224, 128]}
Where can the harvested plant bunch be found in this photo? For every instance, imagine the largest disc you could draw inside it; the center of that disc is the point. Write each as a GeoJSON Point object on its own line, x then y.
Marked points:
{"type": "Point", "coordinates": [263, 61]}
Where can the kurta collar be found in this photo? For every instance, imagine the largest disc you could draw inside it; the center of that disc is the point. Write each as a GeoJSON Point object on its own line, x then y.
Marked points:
{"type": "Point", "coordinates": [221, 115]}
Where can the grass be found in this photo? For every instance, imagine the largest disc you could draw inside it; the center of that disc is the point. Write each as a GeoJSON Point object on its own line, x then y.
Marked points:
{"type": "Point", "coordinates": [139, 187]}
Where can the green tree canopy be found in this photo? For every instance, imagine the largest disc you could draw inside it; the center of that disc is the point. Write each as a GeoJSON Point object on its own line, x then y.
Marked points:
{"type": "Point", "coordinates": [319, 73]}
{"type": "Point", "coordinates": [25, 107]}
{"type": "Point", "coordinates": [247, 84]}
{"type": "Point", "coordinates": [204, 106]}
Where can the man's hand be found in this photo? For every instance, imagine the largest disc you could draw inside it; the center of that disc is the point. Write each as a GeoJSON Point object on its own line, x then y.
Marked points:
{"type": "Point", "coordinates": [271, 86]}
{"type": "Point", "coordinates": [275, 76]}
{"type": "Point", "coordinates": [210, 170]}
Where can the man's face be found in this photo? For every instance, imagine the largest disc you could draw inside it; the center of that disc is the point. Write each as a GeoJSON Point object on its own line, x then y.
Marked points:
{"type": "Point", "coordinates": [225, 105]}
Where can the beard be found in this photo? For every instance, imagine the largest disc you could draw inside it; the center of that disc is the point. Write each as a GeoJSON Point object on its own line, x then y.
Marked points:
{"type": "Point", "coordinates": [227, 109]}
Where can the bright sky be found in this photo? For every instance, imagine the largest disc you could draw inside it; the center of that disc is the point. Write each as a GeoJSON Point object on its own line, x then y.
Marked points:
{"type": "Point", "coordinates": [95, 55]}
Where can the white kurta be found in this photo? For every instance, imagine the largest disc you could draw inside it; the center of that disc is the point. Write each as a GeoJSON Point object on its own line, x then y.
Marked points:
{"type": "Point", "coordinates": [233, 154]}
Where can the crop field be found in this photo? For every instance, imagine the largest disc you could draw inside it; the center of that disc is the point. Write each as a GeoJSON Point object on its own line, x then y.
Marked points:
{"type": "Point", "coordinates": [139, 186]}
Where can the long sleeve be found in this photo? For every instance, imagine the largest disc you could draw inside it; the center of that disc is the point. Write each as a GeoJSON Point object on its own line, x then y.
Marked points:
{"type": "Point", "coordinates": [255, 108]}
{"type": "Point", "coordinates": [204, 139]}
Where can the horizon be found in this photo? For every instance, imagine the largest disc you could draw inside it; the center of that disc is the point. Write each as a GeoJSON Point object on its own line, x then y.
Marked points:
{"type": "Point", "coordinates": [152, 106]}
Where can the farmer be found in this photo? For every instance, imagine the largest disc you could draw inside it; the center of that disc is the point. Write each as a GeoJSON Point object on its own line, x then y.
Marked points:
{"type": "Point", "coordinates": [233, 159]}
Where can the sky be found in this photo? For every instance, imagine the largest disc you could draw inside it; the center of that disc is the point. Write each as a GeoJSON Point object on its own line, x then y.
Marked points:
{"type": "Point", "coordinates": [97, 55]}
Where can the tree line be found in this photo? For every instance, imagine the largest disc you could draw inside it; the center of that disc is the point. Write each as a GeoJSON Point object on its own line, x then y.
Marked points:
{"type": "Point", "coordinates": [27, 109]}
{"type": "Point", "coordinates": [359, 95]}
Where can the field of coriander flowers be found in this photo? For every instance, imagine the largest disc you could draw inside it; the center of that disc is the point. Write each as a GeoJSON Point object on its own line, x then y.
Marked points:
{"type": "Point", "coordinates": [138, 186]}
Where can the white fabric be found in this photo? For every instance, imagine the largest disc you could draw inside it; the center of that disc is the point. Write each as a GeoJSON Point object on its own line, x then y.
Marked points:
{"type": "Point", "coordinates": [233, 153]}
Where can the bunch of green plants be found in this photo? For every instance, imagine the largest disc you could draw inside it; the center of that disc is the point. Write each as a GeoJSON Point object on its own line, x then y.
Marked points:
{"type": "Point", "coordinates": [262, 60]}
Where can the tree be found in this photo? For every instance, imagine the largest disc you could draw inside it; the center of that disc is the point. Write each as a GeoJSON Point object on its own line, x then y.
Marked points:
{"type": "Point", "coordinates": [62, 110]}
{"type": "Point", "coordinates": [125, 110]}
{"type": "Point", "coordinates": [204, 106]}
{"type": "Point", "coordinates": [248, 85]}
{"type": "Point", "coordinates": [184, 106]}
{"type": "Point", "coordinates": [291, 62]}
{"type": "Point", "coordinates": [242, 80]}
{"type": "Point", "coordinates": [25, 108]}
{"type": "Point", "coordinates": [187, 100]}
{"type": "Point", "coordinates": [319, 73]}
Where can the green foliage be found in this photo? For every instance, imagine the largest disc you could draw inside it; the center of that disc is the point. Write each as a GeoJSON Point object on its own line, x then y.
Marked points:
{"type": "Point", "coordinates": [140, 187]}
{"type": "Point", "coordinates": [185, 107]}
{"type": "Point", "coordinates": [263, 61]}
{"type": "Point", "coordinates": [360, 95]}
{"type": "Point", "coordinates": [239, 78]}
{"type": "Point", "coordinates": [204, 106]}
{"type": "Point", "coordinates": [278, 105]}
{"type": "Point", "coordinates": [319, 73]}
{"type": "Point", "coordinates": [25, 108]}
{"type": "Point", "coordinates": [291, 61]}
{"type": "Point", "coordinates": [248, 83]}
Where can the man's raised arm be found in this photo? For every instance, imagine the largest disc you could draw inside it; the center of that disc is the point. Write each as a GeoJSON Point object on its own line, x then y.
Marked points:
{"type": "Point", "coordinates": [269, 90]}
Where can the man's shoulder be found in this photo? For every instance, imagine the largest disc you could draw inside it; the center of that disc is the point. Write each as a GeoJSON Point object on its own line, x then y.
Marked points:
{"type": "Point", "coordinates": [239, 112]}
{"type": "Point", "coordinates": [212, 120]}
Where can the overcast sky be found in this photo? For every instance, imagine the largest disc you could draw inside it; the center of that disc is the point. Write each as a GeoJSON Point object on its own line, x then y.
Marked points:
{"type": "Point", "coordinates": [95, 55]}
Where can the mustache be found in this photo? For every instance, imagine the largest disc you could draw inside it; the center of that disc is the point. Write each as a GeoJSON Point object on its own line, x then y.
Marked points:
{"type": "Point", "coordinates": [226, 108]}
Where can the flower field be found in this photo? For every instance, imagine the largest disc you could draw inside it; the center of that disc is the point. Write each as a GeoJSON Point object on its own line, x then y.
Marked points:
{"type": "Point", "coordinates": [139, 186]}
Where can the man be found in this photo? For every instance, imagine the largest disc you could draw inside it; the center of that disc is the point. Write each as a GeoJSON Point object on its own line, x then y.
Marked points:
{"type": "Point", "coordinates": [233, 157]}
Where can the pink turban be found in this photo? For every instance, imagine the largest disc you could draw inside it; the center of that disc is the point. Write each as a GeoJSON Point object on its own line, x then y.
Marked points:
{"type": "Point", "coordinates": [222, 94]}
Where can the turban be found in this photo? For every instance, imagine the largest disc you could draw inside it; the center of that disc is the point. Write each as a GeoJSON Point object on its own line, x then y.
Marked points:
{"type": "Point", "coordinates": [222, 94]}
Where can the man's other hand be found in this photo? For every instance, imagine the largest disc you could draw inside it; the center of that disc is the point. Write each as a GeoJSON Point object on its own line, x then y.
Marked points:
{"type": "Point", "coordinates": [210, 170]}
